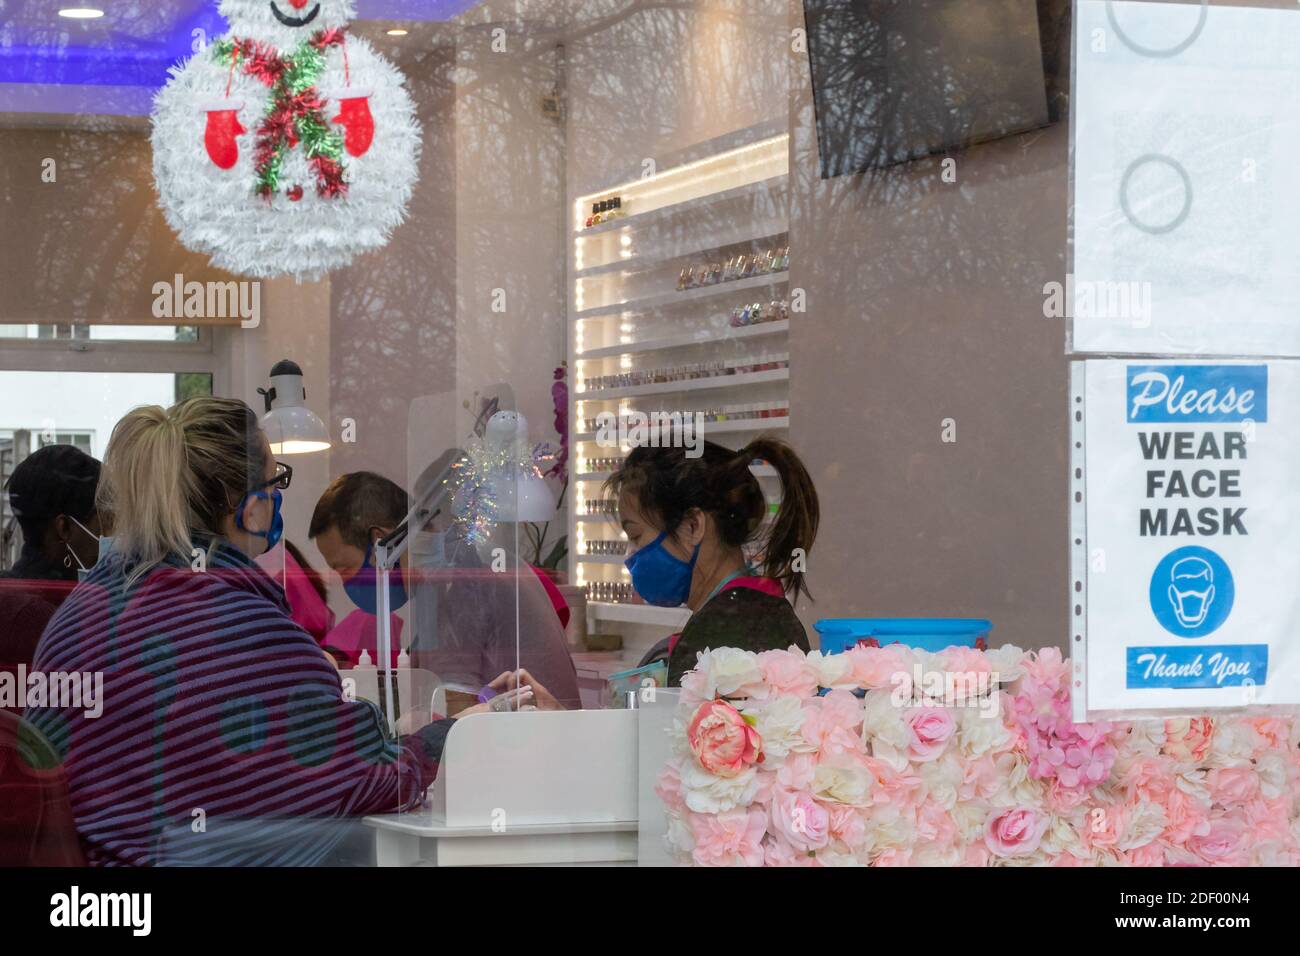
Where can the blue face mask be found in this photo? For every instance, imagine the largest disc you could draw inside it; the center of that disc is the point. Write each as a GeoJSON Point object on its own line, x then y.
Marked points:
{"type": "Point", "coordinates": [277, 520]}
{"type": "Point", "coordinates": [660, 578]}
{"type": "Point", "coordinates": [361, 586]}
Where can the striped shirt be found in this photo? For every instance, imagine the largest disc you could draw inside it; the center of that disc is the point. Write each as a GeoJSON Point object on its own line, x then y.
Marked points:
{"type": "Point", "coordinates": [225, 737]}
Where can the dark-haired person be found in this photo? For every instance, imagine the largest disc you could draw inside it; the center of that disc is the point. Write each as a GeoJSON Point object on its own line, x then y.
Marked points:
{"type": "Point", "coordinates": [485, 623]}
{"type": "Point", "coordinates": [213, 698]}
{"type": "Point", "coordinates": [688, 522]}
{"type": "Point", "coordinates": [52, 494]}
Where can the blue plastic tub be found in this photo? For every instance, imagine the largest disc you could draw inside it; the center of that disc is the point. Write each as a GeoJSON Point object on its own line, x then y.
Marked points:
{"type": "Point", "coordinates": [838, 634]}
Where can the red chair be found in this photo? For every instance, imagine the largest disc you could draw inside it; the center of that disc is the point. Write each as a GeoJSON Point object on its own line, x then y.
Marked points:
{"type": "Point", "coordinates": [36, 823]}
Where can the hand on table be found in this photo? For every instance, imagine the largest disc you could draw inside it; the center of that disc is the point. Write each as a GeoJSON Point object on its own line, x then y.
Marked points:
{"type": "Point", "coordinates": [510, 680]}
{"type": "Point", "coordinates": [501, 704]}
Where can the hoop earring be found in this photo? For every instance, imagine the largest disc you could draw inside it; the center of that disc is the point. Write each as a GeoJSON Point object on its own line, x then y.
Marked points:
{"type": "Point", "coordinates": [67, 561]}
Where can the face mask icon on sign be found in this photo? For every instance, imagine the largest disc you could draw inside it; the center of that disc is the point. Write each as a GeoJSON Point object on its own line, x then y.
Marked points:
{"type": "Point", "coordinates": [1191, 591]}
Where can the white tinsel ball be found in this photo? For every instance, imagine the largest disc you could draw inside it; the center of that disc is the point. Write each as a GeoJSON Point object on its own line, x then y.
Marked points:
{"type": "Point", "coordinates": [204, 167]}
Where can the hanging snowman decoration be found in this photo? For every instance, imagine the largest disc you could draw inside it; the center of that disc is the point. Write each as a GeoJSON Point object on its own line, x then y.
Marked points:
{"type": "Point", "coordinates": [287, 147]}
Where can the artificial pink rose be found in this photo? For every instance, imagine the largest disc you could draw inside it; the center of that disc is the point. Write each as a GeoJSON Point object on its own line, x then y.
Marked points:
{"type": "Point", "coordinates": [1147, 779]}
{"type": "Point", "coordinates": [1230, 786]}
{"type": "Point", "coordinates": [1189, 739]}
{"type": "Point", "coordinates": [831, 725]}
{"type": "Point", "coordinates": [730, 838]}
{"type": "Point", "coordinates": [934, 824]}
{"type": "Point", "coordinates": [847, 825]}
{"type": "Point", "coordinates": [929, 730]}
{"type": "Point", "coordinates": [1185, 816]}
{"type": "Point", "coordinates": [982, 778]}
{"type": "Point", "coordinates": [892, 786]}
{"type": "Point", "coordinates": [1275, 731]}
{"type": "Point", "coordinates": [1269, 821]}
{"type": "Point", "coordinates": [669, 788]}
{"type": "Point", "coordinates": [1049, 668]}
{"type": "Point", "coordinates": [787, 673]}
{"type": "Point", "coordinates": [722, 741]}
{"type": "Point", "coordinates": [1014, 832]}
{"type": "Point", "coordinates": [1224, 843]}
{"type": "Point", "coordinates": [965, 660]}
{"type": "Point", "coordinates": [799, 819]}
{"type": "Point", "coordinates": [874, 668]}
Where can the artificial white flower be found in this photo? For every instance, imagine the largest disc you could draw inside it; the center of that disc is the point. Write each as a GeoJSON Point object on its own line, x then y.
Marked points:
{"type": "Point", "coordinates": [887, 828]}
{"type": "Point", "coordinates": [1272, 771]}
{"type": "Point", "coordinates": [882, 722]}
{"type": "Point", "coordinates": [678, 836]}
{"type": "Point", "coordinates": [1192, 783]}
{"type": "Point", "coordinates": [730, 671]}
{"type": "Point", "coordinates": [706, 793]}
{"type": "Point", "coordinates": [832, 670]}
{"type": "Point", "coordinates": [846, 784]}
{"type": "Point", "coordinates": [1062, 835]}
{"type": "Point", "coordinates": [942, 778]}
{"type": "Point", "coordinates": [969, 818]}
{"type": "Point", "coordinates": [1146, 821]}
{"type": "Point", "coordinates": [979, 732]}
{"type": "Point", "coordinates": [1006, 661]}
{"type": "Point", "coordinates": [1018, 788]}
{"type": "Point", "coordinates": [1147, 737]}
{"type": "Point", "coordinates": [778, 721]}
{"type": "Point", "coordinates": [1233, 741]}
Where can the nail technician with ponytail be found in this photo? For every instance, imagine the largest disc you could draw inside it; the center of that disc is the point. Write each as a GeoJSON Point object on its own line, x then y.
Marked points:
{"type": "Point", "coordinates": [688, 522]}
{"type": "Point", "coordinates": [212, 696]}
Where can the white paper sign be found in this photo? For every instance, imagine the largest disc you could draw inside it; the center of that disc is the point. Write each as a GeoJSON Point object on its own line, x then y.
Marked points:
{"type": "Point", "coordinates": [1190, 544]}
{"type": "Point", "coordinates": [1186, 129]}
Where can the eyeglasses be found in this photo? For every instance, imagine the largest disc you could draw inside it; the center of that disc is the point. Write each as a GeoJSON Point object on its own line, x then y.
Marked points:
{"type": "Point", "coordinates": [283, 475]}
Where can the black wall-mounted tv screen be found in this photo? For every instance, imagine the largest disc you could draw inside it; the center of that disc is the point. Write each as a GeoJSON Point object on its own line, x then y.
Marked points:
{"type": "Point", "coordinates": [895, 80]}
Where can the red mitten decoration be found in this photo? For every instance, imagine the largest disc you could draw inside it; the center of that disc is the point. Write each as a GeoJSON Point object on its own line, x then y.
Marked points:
{"type": "Point", "coordinates": [219, 137]}
{"type": "Point", "coordinates": [359, 125]}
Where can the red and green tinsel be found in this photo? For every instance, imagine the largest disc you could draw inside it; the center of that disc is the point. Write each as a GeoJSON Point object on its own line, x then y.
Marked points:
{"type": "Point", "coordinates": [294, 115]}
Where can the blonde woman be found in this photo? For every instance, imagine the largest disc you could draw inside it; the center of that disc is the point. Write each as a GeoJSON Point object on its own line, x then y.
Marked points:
{"type": "Point", "coordinates": [225, 736]}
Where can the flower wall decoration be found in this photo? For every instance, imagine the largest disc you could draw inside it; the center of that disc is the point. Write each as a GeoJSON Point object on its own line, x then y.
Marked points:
{"type": "Point", "coordinates": [889, 756]}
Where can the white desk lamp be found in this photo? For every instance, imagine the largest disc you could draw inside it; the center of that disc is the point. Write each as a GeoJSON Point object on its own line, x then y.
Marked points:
{"type": "Point", "coordinates": [292, 427]}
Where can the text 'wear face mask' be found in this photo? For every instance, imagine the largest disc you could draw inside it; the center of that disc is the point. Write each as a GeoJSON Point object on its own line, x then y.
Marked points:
{"type": "Point", "coordinates": [659, 577]}
{"type": "Point", "coordinates": [360, 587]}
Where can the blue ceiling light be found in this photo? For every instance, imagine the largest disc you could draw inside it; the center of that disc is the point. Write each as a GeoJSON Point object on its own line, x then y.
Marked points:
{"type": "Point", "coordinates": [133, 44]}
